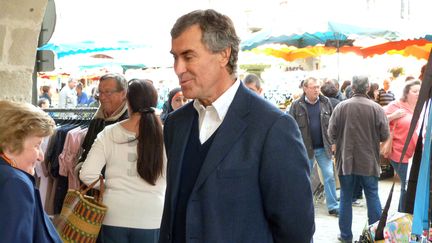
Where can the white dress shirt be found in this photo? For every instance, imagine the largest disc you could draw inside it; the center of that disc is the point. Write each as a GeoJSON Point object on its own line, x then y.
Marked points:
{"type": "Point", "coordinates": [212, 116]}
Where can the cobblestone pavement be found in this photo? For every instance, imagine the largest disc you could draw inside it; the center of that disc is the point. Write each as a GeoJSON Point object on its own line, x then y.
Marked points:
{"type": "Point", "coordinates": [326, 226]}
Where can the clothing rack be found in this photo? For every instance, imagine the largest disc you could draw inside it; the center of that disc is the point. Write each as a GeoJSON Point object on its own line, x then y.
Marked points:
{"type": "Point", "coordinates": [83, 113]}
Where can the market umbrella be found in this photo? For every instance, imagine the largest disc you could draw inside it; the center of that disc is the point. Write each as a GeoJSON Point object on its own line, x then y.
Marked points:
{"type": "Point", "coordinates": [290, 53]}
{"type": "Point", "coordinates": [420, 52]}
{"type": "Point", "coordinates": [364, 30]}
{"type": "Point", "coordinates": [67, 49]}
{"type": "Point", "coordinates": [334, 34]}
{"type": "Point", "coordinates": [298, 40]}
{"type": "Point", "coordinates": [419, 48]}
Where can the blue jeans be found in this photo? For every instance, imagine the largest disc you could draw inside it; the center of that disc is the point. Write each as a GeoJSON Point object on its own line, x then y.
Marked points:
{"type": "Point", "coordinates": [358, 190]}
{"type": "Point", "coordinates": [402, 173]}
{"type": "Point", "coordinates": [113, 234]}
{"type": "Point", "coordinates": [370, 187]}
{"type": "Point", "coordinates": [326, 166]}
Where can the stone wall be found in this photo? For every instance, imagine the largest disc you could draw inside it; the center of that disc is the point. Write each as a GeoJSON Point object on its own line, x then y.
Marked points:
{"type": "Point", "coordinates": [20, 23]}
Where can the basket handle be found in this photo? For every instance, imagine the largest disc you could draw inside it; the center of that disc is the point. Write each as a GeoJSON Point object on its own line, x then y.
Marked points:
{"type": "Point", "coordinates": [101, 188]}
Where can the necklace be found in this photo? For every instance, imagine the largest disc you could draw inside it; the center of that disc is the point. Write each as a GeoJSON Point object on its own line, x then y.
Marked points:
{"type": "Point", "coordinates": [8, 160]}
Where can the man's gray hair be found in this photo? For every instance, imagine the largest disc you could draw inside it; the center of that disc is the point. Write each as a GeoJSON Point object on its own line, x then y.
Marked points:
{"type": "Point", "coordinates": [253, 79]}
{"type": "Point", "coordinates": [309, 79]}
{"type": "Point", "coordinates": [360, 84]}
{"type": "Point", "coordinates": [120, 80]}
{"type": "Point", "coordinates": [218, 33]}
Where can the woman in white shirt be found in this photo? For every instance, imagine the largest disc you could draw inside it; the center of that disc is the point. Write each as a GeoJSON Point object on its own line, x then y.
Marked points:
{"type": "Point", "coordinates": [132, 151]}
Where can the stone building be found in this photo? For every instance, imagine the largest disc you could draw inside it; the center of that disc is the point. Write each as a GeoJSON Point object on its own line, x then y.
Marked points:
{"type": "Point", "coordinates": [20, 24]}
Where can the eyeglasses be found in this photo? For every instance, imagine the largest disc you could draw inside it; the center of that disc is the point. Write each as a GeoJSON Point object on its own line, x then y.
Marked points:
{"type": "Point", "coordinates": [107, 93]}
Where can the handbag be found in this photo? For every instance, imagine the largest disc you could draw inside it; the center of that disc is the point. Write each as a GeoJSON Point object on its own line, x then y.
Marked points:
{"type": "Point", "coordinates": [397, 229]}
{"type": "Point", "coordinates": [81, 216]}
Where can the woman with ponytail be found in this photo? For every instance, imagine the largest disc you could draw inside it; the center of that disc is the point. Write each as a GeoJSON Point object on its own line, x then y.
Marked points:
{"type": "Point", "coordinates": [133, 153]}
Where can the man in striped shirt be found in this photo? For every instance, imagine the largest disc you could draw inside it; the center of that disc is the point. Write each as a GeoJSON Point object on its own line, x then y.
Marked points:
{"type": "Point", "coordinates": [385, 96]}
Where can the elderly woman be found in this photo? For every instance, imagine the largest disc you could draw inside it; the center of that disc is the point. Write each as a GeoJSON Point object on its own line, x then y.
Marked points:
{"type": "Point", "coordinates": [22, 129]}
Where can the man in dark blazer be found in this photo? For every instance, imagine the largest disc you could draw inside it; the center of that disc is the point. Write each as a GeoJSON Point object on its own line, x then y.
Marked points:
{"type": "Point", "coordinates": [237, 168]}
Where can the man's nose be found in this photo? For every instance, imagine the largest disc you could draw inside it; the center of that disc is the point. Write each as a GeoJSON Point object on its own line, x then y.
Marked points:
{"type": "Point", "coordinates": [179, 66]}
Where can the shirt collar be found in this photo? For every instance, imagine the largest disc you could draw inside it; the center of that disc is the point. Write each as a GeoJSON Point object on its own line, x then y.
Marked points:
{"type": "Point", "coordinates": [310, 102]}
{"type": "Point", "coordinates": [221, 104]}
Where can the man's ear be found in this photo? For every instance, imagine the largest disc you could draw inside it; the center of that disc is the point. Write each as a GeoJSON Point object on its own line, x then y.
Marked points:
{"type": "Point", "coordinates": [225, 56]}
{"type": "Point", "coordinates": [123, 94]}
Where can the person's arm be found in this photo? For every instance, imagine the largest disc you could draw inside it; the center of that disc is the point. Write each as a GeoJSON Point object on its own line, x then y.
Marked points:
{"type": "Point", "coordinates": [17, 210]}
{"type": "Point", "coordinates": [384, 126]}
{"type": "Point", "coordinates": [95, 161]}
{"type": "Point", "coordinates": [285, 183]}
{"type": "Point", "coordinates": [332, 128]}
{"type": "Point", "coordinates": [292, 110]}
{"type": "Point", "coordinates": [396, 115]}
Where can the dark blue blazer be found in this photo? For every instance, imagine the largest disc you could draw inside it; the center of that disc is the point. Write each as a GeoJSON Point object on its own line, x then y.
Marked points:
{"type": "Point", "coordinates": [254, 183]}
{"type": "Point", "coordinates": [22, 218]}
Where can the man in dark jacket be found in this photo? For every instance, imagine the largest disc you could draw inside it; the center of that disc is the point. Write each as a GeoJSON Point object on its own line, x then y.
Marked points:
{"type": "Point", "coordinates": [112, 97]}
{"type": "Point", "coordinates": [312, 112]}
{"type": "Point", "coordinates": [237, 170]}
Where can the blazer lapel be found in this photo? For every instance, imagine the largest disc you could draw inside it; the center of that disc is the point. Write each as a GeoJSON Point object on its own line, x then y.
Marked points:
{"type": "Point", "coordinates": [228, 133]}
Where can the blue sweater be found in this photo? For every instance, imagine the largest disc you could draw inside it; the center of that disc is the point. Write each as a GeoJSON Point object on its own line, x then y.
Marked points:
{"type": "Point", "coordinates": [194, 157]}
{"type": "Point", "coordinates": [315, 124]}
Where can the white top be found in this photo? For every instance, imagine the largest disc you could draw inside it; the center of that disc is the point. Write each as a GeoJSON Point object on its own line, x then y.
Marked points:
{"type": "Point", "coordinates": [131, 201]}
{"type": "Point", "coordinates": [212, 116]}
{"type": "Point", "coordinates": [397, 86]}
{"type": "Point", "coordinates": [67, 98]}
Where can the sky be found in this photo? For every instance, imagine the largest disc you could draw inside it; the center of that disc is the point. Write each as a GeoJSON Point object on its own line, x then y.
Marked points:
{"type": "Point", "coordinates": [149, 22]}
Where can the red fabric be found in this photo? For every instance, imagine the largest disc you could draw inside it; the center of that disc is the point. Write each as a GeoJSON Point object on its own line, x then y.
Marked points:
{"type": "Point", "coordinates": [400, 128]}
{"type": "Point", "coordinates": [391, 45]}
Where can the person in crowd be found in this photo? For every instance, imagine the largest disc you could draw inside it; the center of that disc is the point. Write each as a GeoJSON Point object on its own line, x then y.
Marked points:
{"type": "Point", "coordinates": [46, 93]}
{"type": "Point", "coordinates": [399, 114]}
{"type": "Point", "coordinates": [94, 98]}
{"type": "Point", "coordinates": [373, 92]}
{"type": "Point", "coordinates": [385, 96]}
{"type": "Point", "coordinates": [358, 121]}
{"type": "Point", "coordinates": [68, 95]}
{"type": "Point", "coordinates": [409, 78]}
{"type": "Point", "coordinates": [43, 103]}
{"type": "Point", "coordinates": [82, 98]}
{"type": "Point", "coordinates": [340, 96]}
{"type": "Point", "coordinates": [329, 90]}
{"type": "Point", "coordinates": [175, 100]}
{"type": "Point", "coordinates": [358, 189]}
{"type": "Point", "coordinates": [237, 167]}
{"type": "Point", "coordinates": [22, 218]}
{"type": "Point", "coordinates": [312, 113]}
{"type": "Point", "coordinates": [422, 71]}
{"type": "Point", "coordinates": [112, 97]}
{"type": "Point", "coordinates": [348, 92]}
{"type": "Point", "coordinates": [253, 82]}
{"type": "Point", "coordinates": [132, 151]}
{"type": "Point", "coordinates": [344, 85]}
